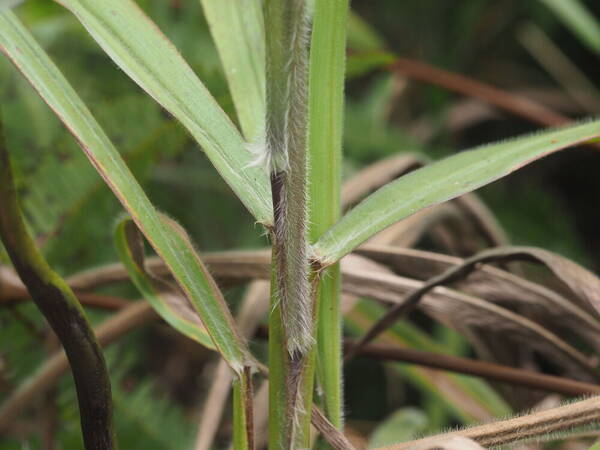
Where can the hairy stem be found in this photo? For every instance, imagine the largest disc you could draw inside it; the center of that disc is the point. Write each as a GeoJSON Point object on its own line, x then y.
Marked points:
{"type": "Point", "coordinates": [60, 307]}
{"type": "Point", "coordinates": [286, 142]}
{"type": "Point", "coordinates": [287, 26]}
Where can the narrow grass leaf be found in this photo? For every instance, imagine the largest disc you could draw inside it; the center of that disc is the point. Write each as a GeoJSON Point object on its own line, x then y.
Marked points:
{"type": "Point", "coordinates": [171, 245]}
{"type": "Point", "coordinates": [326, 107]}
{"type": "Point", "coordinates": [138, 47]}
{"type": "Point", "coordinates": [174, 309]}
{"type": "Point", "coordinates": [579, 19]}
{"type": "Point", "coordinates": [442, 181]}
{"type": "Point", "coordinates": [238, 31]}
{"type": "Point", "coordinates": [362, 37]}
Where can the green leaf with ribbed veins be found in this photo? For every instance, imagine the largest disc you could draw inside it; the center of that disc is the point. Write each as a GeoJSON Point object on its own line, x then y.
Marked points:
{"type": "Point", "coordinates": [168, 241]}
{"type": "Point", "coordinates": [441, 181]}
{"type": "Point", "coordinates": [140, 49]}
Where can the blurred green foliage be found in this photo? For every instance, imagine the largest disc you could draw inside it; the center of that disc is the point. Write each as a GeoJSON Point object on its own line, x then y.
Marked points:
{"type": "Point", "coordinates": [73, 213]}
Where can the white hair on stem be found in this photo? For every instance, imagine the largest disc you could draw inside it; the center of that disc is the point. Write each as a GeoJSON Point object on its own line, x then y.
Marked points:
{"type": "Point", "coordinates": [283, 154]}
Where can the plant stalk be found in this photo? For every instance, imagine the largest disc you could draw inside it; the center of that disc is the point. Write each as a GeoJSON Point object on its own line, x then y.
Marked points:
{"type": "Point", "coordinates": [62, 310]}
{"type": "Point", "coordinates": [286, 24]}
{"type": "Point", "coordinates": [243, 415]}
{"type": "Point", "coordinates": [326, 106]}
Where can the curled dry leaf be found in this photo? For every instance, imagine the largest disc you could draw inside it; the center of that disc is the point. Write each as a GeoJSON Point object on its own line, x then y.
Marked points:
{"type": "Point", "coordinates": [495, 285]}
{"type": "Point", "coordinates": [459, 311]}
{"type": "Point", "coordinates": [570, 273]}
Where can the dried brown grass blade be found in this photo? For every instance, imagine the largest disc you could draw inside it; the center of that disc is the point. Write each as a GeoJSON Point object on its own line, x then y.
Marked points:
{"type": "Point", "coordinates": [451, 443]}
{"type": "Point", "coordinates": [332, 435]}
{"type": "Point", "coordinates": [504, 100]}
{"type": "Point", "coordinates": [579, 280]}
{"type": "Point", "coordinates": [495, 285]}
{"type": "Point", "coordinates": [408, 232]}
{"type": "Point", "coordinates": [13, 290]}
{"type": "Point", "coordinates": [233, 267]}
{"type": "Point", "coordinates": [239, 266]}
{"type": "Point", "coordinates": [456, 310]}
{"type": "Point", "coordinates": [528, 427]}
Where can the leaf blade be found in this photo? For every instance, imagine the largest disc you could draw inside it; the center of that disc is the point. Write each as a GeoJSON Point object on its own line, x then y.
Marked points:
{"type": "Point", "coordinates": [139, 48]}
{"type": "Point", "coordinates": [326, 105]}
{"type": "Point", "coordinates": [442, 181]}
{"type": "Point", "coordinates": [126, 248]}
{"type": "Point", "coordinates": [238, 31]}
{"type": "Point", "coordinates": [18, 44]}
{"type": "Point", "coordinates": [579, 19]}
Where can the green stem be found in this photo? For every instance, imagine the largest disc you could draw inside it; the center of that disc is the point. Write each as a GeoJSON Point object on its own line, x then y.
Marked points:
{"type": "Point", "coordinates": [329, 344]}
{"type": "Point", "coordinates": [326, 106]}
{"type": "Point", "coordinates": [243, 423]}
{"type": "Point", "coordinates": [292, 338]}
{"type": "Point", "coordinates": [278, 362]}
{"type": "Point", "coordinates": [64, 313]}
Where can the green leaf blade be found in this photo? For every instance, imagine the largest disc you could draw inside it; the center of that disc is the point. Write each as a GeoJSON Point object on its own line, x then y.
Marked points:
{"type": "Point", "coordinates": [18, 44]}
{"type": "Point", "coordinates": [579, 19]}
{"type": "Point", "coordinates": [326, 110]}
{"type": "Point", "coordinates": [176, 317]}
{"type": "Point", "coordinates": [442, 181]}
{"type": "Point", "coordinates": [238, 31]}
{"type": "Point", "coordinates": [139, 48]}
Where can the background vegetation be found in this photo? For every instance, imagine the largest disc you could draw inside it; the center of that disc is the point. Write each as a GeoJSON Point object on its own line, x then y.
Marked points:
{"type": "Point", "coordinates": [160, 379]}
